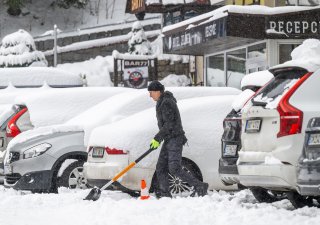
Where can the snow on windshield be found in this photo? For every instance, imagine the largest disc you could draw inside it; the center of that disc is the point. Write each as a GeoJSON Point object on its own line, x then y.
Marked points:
{"type": "Point", "coordinates": [272, 103]}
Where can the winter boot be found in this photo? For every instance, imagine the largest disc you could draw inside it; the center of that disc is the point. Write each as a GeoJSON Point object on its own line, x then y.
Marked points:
{"type": "Point", "coordinates": [201, 189]}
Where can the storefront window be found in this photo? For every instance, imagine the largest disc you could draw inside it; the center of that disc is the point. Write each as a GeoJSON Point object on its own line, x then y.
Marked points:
{"type": "Point", "coordinates": [215, 71]}
{"type": "Point", "coordinates": [257, 58]}
{"type": "Point", "coordinates": [285, 52]}
{"type": "Point", "coordinates": [236, 67]}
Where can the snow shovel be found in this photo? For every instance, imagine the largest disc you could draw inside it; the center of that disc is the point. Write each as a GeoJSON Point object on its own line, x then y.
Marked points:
{"type": "Point", "coordinates": [95, 192]}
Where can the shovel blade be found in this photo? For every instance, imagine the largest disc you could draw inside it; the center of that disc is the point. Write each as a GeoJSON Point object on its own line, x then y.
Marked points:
{"type": "Point", "coordinates": [93, 195]}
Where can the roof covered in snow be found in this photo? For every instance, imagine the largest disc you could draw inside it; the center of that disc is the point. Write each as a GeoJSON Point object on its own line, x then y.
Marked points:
{"type": "Point", "coordinates": [225, 10]}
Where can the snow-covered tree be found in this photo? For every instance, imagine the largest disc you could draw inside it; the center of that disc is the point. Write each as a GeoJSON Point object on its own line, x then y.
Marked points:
{"type": "Point", "coordinates": [18, 50]}
{"type": "Point", "coordinates": [138, 43]}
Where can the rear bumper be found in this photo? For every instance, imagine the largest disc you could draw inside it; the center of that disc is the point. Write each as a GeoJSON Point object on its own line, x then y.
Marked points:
{"type": "Point", "coordinates": [228, 171]}
{"type": "Point", "coordinates": [273, 177]}
{"type": "Point", "coordinates": [101, 171]}
{"type": "Point", "coordinates": [309, 179]}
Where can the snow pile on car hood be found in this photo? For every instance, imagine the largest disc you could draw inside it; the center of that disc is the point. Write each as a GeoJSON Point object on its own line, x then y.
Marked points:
{"type": "Point", "coordinates": [201, 118]}
{"type": "Point", "coordinates": [306, 55]}
{"type": "Point", "coordinates": [41, 131]}
{"type": "Point", "coordinates": [58, 106]}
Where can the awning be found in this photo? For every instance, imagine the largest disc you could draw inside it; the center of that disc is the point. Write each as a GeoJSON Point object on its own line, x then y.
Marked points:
{"type": "Point", "coordinates": [225, 29]}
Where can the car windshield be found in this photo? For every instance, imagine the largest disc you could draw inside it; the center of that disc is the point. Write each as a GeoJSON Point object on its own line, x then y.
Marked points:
{"type": "Point", "coordinates": [278, 85]}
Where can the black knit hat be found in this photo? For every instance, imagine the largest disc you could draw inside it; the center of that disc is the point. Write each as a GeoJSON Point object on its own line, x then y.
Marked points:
{"type": "Point", "coordinates": [155, 86]}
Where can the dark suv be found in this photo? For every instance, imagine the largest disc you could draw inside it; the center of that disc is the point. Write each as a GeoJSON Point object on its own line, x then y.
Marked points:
{"type": "Point", "coordinates": [308, 174]}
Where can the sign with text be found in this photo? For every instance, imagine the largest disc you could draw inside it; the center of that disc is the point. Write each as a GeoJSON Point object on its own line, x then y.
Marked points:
{"type": "Point", "coordinates": [306, 25]}
{"type": "Point", "coordinates": [196, 35]}
{"type": "Point", "coordinates": [135, 73]}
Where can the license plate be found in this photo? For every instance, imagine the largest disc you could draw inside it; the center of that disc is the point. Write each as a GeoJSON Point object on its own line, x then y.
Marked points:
{"type": "Point", "coordinates": [314, 139]}
{"type": "Point", "coordinates": [253, 126]}
{"type": "Point", "coordinates": [230, 150]}
{"type": "Point", "coordinates": [7, 169]}
{"type": "Point", "coordinates": [97, 152]}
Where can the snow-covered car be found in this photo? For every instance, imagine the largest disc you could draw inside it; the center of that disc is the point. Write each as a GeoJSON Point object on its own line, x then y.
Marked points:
{"type": "Point", "coordinates": [31, 77]}
{"type": "Point", "coordinates": [231, 141]}
{"type": "Point", "coordinates": [113, 146]}
{"type": "Point", "coordinates": [69, 141]}
{"type": "Point", "coordinates": [273, 133]}
{"type": "Point", "coordinates": [308, 175]}
{"type": "Point", "coordinates": [54, 106]}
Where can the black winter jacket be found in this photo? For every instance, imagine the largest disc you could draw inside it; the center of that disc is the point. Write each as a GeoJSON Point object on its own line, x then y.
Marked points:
{"type": "Point", "coordinates": [169, 120]}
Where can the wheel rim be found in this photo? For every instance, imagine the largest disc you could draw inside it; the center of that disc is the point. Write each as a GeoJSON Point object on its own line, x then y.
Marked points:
{"type": "Point", "coordinates": [178, 187]}
{"type": "Point", "coordinates": [77, 179]}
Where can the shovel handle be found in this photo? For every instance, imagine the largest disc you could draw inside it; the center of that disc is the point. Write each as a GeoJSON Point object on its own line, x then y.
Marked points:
{"type": "Point", "coordinates": [123, 171]}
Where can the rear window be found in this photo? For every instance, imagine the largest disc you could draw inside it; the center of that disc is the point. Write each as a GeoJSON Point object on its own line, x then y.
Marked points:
{"type": "Point", "coordinates": [278, 86]}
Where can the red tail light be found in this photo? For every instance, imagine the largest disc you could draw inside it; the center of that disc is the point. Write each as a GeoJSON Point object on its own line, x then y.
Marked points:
{"type": "Point", "coordinates": [290, 117]}
{"type": "Point", "coordinates": [115, 151]}
{"type": "Point", "coordinates": [12, 128]}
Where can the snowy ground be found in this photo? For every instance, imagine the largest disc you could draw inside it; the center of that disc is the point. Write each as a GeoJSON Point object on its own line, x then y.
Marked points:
{"type": "Point", "coordinates": [219, 208]}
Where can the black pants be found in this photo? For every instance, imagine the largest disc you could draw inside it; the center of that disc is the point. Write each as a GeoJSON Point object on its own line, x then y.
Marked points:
{"type": "Point", "coordinates": [170, 162]}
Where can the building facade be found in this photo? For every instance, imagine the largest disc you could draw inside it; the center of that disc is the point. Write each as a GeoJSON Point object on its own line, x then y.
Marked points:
{"type": "Point", "coordinates": [235, 39]}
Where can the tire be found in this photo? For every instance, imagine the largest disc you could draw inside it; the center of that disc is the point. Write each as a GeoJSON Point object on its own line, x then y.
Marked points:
{"type": "Point", "coordinates": [72, 177]}
{"type": "Point", "coordinates": [299, 201]}
{"type": "Point", "coordinates": [176, 186]}
{"type": "Point", "coordinates": [267, 196]}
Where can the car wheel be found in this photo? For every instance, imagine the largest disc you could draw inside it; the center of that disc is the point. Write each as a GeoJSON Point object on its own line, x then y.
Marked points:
{"type": "Point", "coordinates": [177, 187]}
{"type": "Point", "coordinates": [264, 195]}
{"type": "Point", "coordinates": [72, 177]}
{"type": "Point", "coordinates": [299, 201]}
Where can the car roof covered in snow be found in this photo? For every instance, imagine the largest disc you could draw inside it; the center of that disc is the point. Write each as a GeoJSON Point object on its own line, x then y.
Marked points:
{"type": "Point", "coordinates": [201, 118]}
{"type": "Point", "coordinates": [56, 106]}
{"type": "Point", "coordinates": [126, 104]}
{"type": "Point", "coordinates": [37, 76]}
{"type": "Point", "coordinates": [305, 56]}
{"type": "Point", "coordinates": [256, 79]}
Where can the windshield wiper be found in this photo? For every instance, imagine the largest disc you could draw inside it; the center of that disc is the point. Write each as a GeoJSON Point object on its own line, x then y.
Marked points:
{"type": "Point", "coordinates": [256, 103]}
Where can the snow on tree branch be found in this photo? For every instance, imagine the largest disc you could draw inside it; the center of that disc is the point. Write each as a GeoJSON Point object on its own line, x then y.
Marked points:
{"type": "Point", "coordinates": [18, 50]}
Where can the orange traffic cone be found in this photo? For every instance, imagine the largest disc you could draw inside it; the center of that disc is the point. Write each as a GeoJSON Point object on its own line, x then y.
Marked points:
{"type": "Point", "coordinates": [144, 195]}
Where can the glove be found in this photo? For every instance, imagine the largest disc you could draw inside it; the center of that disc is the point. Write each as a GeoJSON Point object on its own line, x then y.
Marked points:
{"type": "Point", "coordinates": [154, 144]}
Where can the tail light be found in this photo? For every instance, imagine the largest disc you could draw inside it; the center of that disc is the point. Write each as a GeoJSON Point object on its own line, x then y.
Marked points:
{"type": "Point", "coordinates": [290, 117]}
{"type": "Point", "coordinates": [12, 129]}
{"type": "Point", "coordinates": [114, 151]}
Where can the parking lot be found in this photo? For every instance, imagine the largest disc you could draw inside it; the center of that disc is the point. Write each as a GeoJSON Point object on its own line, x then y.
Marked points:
{"type": "Point", "coordinates": [219, 208]}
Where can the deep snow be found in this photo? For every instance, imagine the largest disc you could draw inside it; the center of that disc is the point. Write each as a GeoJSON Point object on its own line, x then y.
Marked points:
{"type": "Point", "coordinates": [113, 208]}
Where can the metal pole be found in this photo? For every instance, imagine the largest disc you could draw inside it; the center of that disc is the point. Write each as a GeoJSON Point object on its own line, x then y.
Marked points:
{"type": "Point", "coordinates": [55, 46]}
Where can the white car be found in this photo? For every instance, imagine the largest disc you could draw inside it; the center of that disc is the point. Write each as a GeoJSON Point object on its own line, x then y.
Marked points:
{"type": "Point", "coordinates": [274, 123]}
{"type": "Point", "coordinates": [113, 146]}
